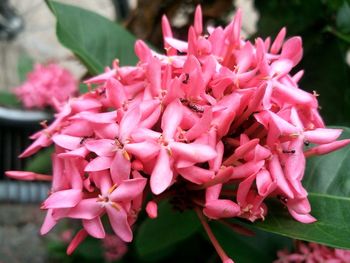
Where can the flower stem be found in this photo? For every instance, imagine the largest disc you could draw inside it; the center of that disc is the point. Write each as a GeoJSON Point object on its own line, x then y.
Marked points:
{"type": "Point", "coordinates": [223, 256]}
{"type": "Point", "coordinates": [238, 228]}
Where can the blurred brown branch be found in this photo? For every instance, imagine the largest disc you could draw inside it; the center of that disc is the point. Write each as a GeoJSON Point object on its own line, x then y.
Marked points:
{"type": "Point", "coordinates": [145, 20]}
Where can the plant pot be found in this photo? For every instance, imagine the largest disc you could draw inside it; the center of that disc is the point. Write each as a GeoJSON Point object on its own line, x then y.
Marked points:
{"type": "Point", "coordinates": [16, 126]}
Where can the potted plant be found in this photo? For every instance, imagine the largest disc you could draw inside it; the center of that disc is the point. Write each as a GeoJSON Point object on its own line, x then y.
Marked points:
{"type": "Point", "coordinates": [204, 144]}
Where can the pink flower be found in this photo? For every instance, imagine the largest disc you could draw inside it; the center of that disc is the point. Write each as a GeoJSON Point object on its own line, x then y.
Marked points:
{"type": "Point", "coordinates": [313, 253]}
{"type": "Point", "coordinates": [114, 248]}
{"type": "Point", "coordinates": [218, 127]}
{"type": "Point", "coordinates": [152, 209]}
{"type": "Point", "coordinates": [47, 85]}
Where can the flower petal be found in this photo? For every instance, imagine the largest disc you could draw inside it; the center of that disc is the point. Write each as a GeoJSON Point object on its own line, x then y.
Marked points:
{"type": "Point", "coordinates": [201, 126]}
{"type": "Point", "coordinates": [120, 167]}
{"type": "Point", "coordinates": [198, 24]}
{"type": "Point", "coordinates": [81, 152]}
{"type": "Point", "coordinates": [322, 136]}
{"type": "Point", "coordinates": [243, 149]}
{"type": "Point", "coordinates": [193, 151]}
{"type": "Point", "coordinates": [212, 193]}
{"type": "Point", "coordinates": [63, 199]}
{"type": "Point", "coordinates": [247, 169]}
{"type": "Point", "coordinates": [196, 174]}
{"type": "Point", "coordinates": [179, 45]}
{"type": "Point", "coordinates": [76, 241]}
{"type": "Point", "coordinates": [129, 123]}
{"type": "Point", "coordinates": [115, 93]}
{"type": "Point", "coordinates": [162, 173]}
{"type": "Point", "coordinates": [303, 218]}
{"type": "Point", "coordinates": [42, 141]}
{"type": "Point", "coordinates": [86, 209]}
{"type": "Point", "coordinates": [153, 73]}
{"type": "Point", "coordinates": [264, 183]}
{"type": "Point", "coordinates": [49, 223]}
{"type": "Point", "coordinates": [221, 208]}
{"type": "Point", "coordinates": [277, 174]}
{"type": "Point", "coordinates": [128, 190]}
{"type": "Point", "coordinates": [94, 227]}
{"type": "Point", "coordinates": [326, 148]}
{"type": "Point", "coordinates": [138, 149]}
{"type": "Point", "coordinates": [171, 119]}
{"type": "Point", "coordinates": [102, 147]}
{"type": "Point", "coordinates": [119, 222]}
{"type": "Point", "coordinates": [99, 164]}
{"type": "Point", "coordinates": [277, 44]}
{"type": "Point", "coordinates": [292, 49]}
{"type": "Point", "coordinates": [27, 176]}
{"type": "Point", "coordinates": [104, 117]}
{"type": "Point", "coordinates": [243, 189]}
{"type": "Point", "coordinates": [102, 77]}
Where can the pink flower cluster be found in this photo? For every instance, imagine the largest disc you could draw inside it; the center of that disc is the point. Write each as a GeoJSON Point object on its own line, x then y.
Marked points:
{"type": "Point", "coordinates": [217, 124]}
{"type": "Point", "coordinates": [47, 85]}
{"type": "Point", "coordinates": [313, 253]}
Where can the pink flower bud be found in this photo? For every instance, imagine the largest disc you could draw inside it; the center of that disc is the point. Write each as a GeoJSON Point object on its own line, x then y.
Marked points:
{"type": "Point", "coordinates": [152, 209]}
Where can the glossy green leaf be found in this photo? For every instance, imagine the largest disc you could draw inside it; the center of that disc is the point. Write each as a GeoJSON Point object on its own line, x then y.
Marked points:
{"type": "Point", "coordinates": [260, 248]}
{"type": "Point", "coordinates": [8, 99]}
{"type": "Point", "coordinates": [342, 36]}
{"type": "Point", "coordinates": [83, 88]}
{"type": "Point", "coordinates": [162, 233]}
{"type": "Point", "coordinates": [95, 40]}
{"type": "Point", "coordinates": [330, 174]}
{"type": "Point", "coordinates": [327, 180]}
{"type": "Point", "coordinates": [331, 229]}
{"type": "Point", "coordinates": [89, 251]}
{"type": "Point", "coordinates": [343, 18]}
{"type": "Point", "coordinates": [41, 162]}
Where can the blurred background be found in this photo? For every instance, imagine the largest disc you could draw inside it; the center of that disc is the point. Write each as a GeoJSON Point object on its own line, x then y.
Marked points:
{"type": "Point", "coordinates": [27, 33]}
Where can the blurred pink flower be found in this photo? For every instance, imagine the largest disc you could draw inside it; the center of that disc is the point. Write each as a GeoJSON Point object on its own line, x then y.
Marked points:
{"type": "Point", "coordinates": [313, 253]}
{"type": "Point", "coordinates": [46, 86]}
{"type": "Point", "coordinates": [114, 248]}
{"type": "Point", "coordinates": [66, 236]}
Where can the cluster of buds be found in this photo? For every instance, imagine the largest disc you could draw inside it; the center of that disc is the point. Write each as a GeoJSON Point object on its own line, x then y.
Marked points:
{"type": "Point", "coordinates": [217, 124]}
{"type": "Point", "coordinates": [46, 86]}
{"type": "Point", "coordinates": [313, 253]}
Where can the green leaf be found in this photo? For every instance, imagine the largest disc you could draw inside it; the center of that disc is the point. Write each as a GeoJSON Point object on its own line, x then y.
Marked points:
{"type": "Point", "coordinates": [83, 88]}
{"type": "Point", "coordinates": [334, 5]}
{"type": "Point", "coordinates": [260, 248]}
{"type": "Point", "coordinates": [24, 66]}
{"type": "Point", "coordinates": [338, 34]}
{"type": "Point", "coordinates": [332, 227]}
{"type": "Point", "coordinates": [327, 180]}
{"type": "Point", "coordinates": [96, 40]}
{"type": "Point", "coordinates": [89, 251]}
{"type": "Point", "coordinates": [8, 99]}
{"type": "Point", "coordinates": [343, 18]}
{"type": "Point", "coordinates": [41, 162]}
{"type": "Point", "coordinates": [330, 174]}
{"type": "Point", "coordinates": [162, 233]}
